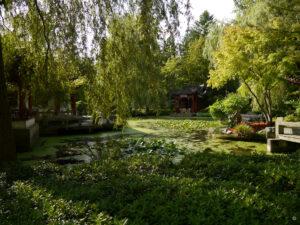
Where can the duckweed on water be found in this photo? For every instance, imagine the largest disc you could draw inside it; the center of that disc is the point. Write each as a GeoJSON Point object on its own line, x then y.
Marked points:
{"type": "Point", "coordinates": [185, 125]}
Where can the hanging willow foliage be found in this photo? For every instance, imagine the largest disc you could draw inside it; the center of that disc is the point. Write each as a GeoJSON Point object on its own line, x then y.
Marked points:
{"type": "Point", "coordinates": [95, 29]}
{"type": "Point", "coordinates": [129, 56]}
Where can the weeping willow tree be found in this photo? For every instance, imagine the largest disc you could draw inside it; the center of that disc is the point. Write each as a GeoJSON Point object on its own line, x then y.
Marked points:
{"type": "Point", "coordinates": [46, 26]}
{"type": "Point", "coordinates": [129, 59]}
{"type": "Point", "coordinates": [127, 76]}
{"type": "Point", "coordinates": [34, 30]}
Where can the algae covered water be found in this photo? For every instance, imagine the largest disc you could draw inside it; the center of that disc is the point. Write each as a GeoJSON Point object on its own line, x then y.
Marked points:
{"type": "Point", "coordinates": [68, 149]}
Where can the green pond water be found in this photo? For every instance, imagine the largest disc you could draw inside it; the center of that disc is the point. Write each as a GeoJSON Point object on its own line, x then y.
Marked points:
{"type": "Point", "coordinates": [60, 148]}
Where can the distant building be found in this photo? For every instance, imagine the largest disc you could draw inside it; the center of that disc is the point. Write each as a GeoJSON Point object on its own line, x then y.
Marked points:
{"type": "Point", "coordinates": [190, 99]}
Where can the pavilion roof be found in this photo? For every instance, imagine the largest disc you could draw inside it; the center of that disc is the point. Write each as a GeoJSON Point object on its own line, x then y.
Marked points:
{"type": "Point", "coordinates": [193, 89]}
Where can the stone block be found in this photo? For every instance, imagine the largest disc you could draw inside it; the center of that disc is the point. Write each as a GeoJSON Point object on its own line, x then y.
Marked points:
{"type": "Point", "coordinates": [270, 132]}
{"type": "Point", "coordinates": [281, 146]}
{"type": "Point", "coordinates": [23, 124]}
{"type": "Point", "coordinates": [26, 138]}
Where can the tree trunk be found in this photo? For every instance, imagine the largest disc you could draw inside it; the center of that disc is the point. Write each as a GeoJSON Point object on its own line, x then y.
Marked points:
{"type": "Point", "coordinates": [267, 111]}
{"type": "Point", "coordinates": [7, 142]}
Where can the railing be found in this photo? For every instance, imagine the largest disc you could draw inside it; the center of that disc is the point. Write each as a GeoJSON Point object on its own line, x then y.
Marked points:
{"type": "Point", "coordinates": [26, 115]}
{"type": "Point", "coordinates": [63, 119]}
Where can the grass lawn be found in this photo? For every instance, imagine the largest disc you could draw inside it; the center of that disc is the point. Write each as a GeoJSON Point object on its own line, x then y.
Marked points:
{"type": "Point", "coordinates": [147, 186]}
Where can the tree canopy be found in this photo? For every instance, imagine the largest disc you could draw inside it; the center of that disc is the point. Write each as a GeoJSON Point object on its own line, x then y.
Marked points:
{"type": "Point", "coordinates": [75, 30]}
{"type": "Point", "coordinates": [257, 51]}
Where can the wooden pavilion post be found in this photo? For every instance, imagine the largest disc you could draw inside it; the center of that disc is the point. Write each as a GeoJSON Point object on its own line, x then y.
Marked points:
{"type": "Point", "coordinates": [193, 104]}
{"type": "Point", "coordinates": [73, 104]}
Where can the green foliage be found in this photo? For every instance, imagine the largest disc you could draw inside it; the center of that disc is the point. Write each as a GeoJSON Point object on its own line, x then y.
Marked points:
{"type": "Point", "coordinates": [259, 49]}
{"type": "Point", "coordinates": [54, 36]}
{"type": "Point", "coordinates": [148, 189]}
{"type": "Point", "coordinates": [292, 118]}
{"type": "Point", "coordinates": [126, 147]}
{"type": "Point", "coordinates": [30, 204]}
{"type": "Point", "coordinates": [295, 105]}
{"type": "Point", "coordinates": [189, 69]}
{"type": "Point", "coordinates": [216, 111]}
{"type": "Point", "coordinates": [128, 75]}
{"type": "Point", "coordinates": [150, 112]}
{"type": "Point", "coordinates": [186, 125]}
{"type": "Point", "coordinates": [294, 110]}
{"type": "Point", "coordinates": [129, 60]}
{"type": "Point", "coordinates": [243, 131]}
{"type": "Point", "coordinates": [229, 108]}
{"type": "Point", "coordinates": [203, 114]}
{"type": "Point", "coordinates": [200, 28]}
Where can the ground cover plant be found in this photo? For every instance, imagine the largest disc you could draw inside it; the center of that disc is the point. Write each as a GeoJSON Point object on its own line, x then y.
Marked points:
{"type": "Point", "coordinates": [204, 188]}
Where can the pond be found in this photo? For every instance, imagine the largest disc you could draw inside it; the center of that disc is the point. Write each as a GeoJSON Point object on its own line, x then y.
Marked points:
{"type": "Point", "coordinates": [68, 149]}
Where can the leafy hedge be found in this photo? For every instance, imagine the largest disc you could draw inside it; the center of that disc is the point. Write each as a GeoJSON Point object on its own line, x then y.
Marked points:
{"type": "Point", "coordinates": [204, 188]}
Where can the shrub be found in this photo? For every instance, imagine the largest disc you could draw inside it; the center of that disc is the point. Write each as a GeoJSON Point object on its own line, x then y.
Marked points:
{"type": "Point", "coordinates": [216, 111]}
{"type": "Point", "coordinates": [203, 114]}
{"type": "Point", "coordinates": [292, 118]}
{"type": "Point", "coordinates": [243, 131]}
{"type": "Point", "coordinates": [229, 108]}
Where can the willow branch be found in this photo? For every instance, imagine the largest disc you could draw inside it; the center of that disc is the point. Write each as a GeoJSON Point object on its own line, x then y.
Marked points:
{"type": "Point", "coordinates": [45, 35]}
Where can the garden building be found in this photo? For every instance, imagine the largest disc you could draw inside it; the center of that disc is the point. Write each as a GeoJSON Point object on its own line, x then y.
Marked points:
{"type": "Point", "coordinates": [190, 99]}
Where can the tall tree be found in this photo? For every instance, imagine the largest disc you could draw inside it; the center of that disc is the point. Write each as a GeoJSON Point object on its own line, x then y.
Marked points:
{"type": "Point", "coordinates": [247, 55]}
{"type": "Point", "coordinates": [48, 26]}
{"type": "Point", "coordinates": [262, 47]}
{"type": "Point", "coordinates": [7, 143]}
{"type": "Point", "coordinates": [279, 18]}
{"type": "Point", "coordinates": [42, 25]}
{"type": "Point", "coordinates": [128, 63]}
{"type": "Point", "coordinates": [200, 28]}
{"type": "Point", "coordinates": [189, 69]}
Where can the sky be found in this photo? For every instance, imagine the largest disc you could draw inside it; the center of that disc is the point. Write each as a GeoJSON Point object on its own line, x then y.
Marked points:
{"type": "Point", "coordinates": [221, 9]}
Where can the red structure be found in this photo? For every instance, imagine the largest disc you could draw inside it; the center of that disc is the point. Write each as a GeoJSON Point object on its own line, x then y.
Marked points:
{"type": "Point", "coordinates": [73, 104]}
{"type": "Point", "coordinates": [189, 100]}
{"type": "Point", "coordinates": [293, 80]}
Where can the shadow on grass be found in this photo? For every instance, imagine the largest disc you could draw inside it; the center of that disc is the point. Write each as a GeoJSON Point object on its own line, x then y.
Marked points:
{"type": "Point", "coordinates": [204, 188]}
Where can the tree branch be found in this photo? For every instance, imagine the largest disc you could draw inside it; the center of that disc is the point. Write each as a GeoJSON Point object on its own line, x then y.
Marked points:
{"type": "Point", "coordinates": [45, 35]}
{"type": "Point", "coordinates": [266, 103]}
{"type": "Point", "coordinates": [3, 21]}
{"type": "Point", "coordinates": [256, 98]}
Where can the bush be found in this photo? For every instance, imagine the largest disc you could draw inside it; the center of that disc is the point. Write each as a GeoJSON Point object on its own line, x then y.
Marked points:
{"type": "Point", "coordinates": [243, 131]}
{"type": "Point", "coordinates": [216, 111]}
{"type": "Point", "coordinates": [144, 112]}
{"type": "Point", "coordinates": [81, 107]}
{"type": "Point", "coordinates": [229, 108]}
{"type": "Point", "coordinates": [203, 114]}
{"type": "Point", "coordinates": [292, 118]}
